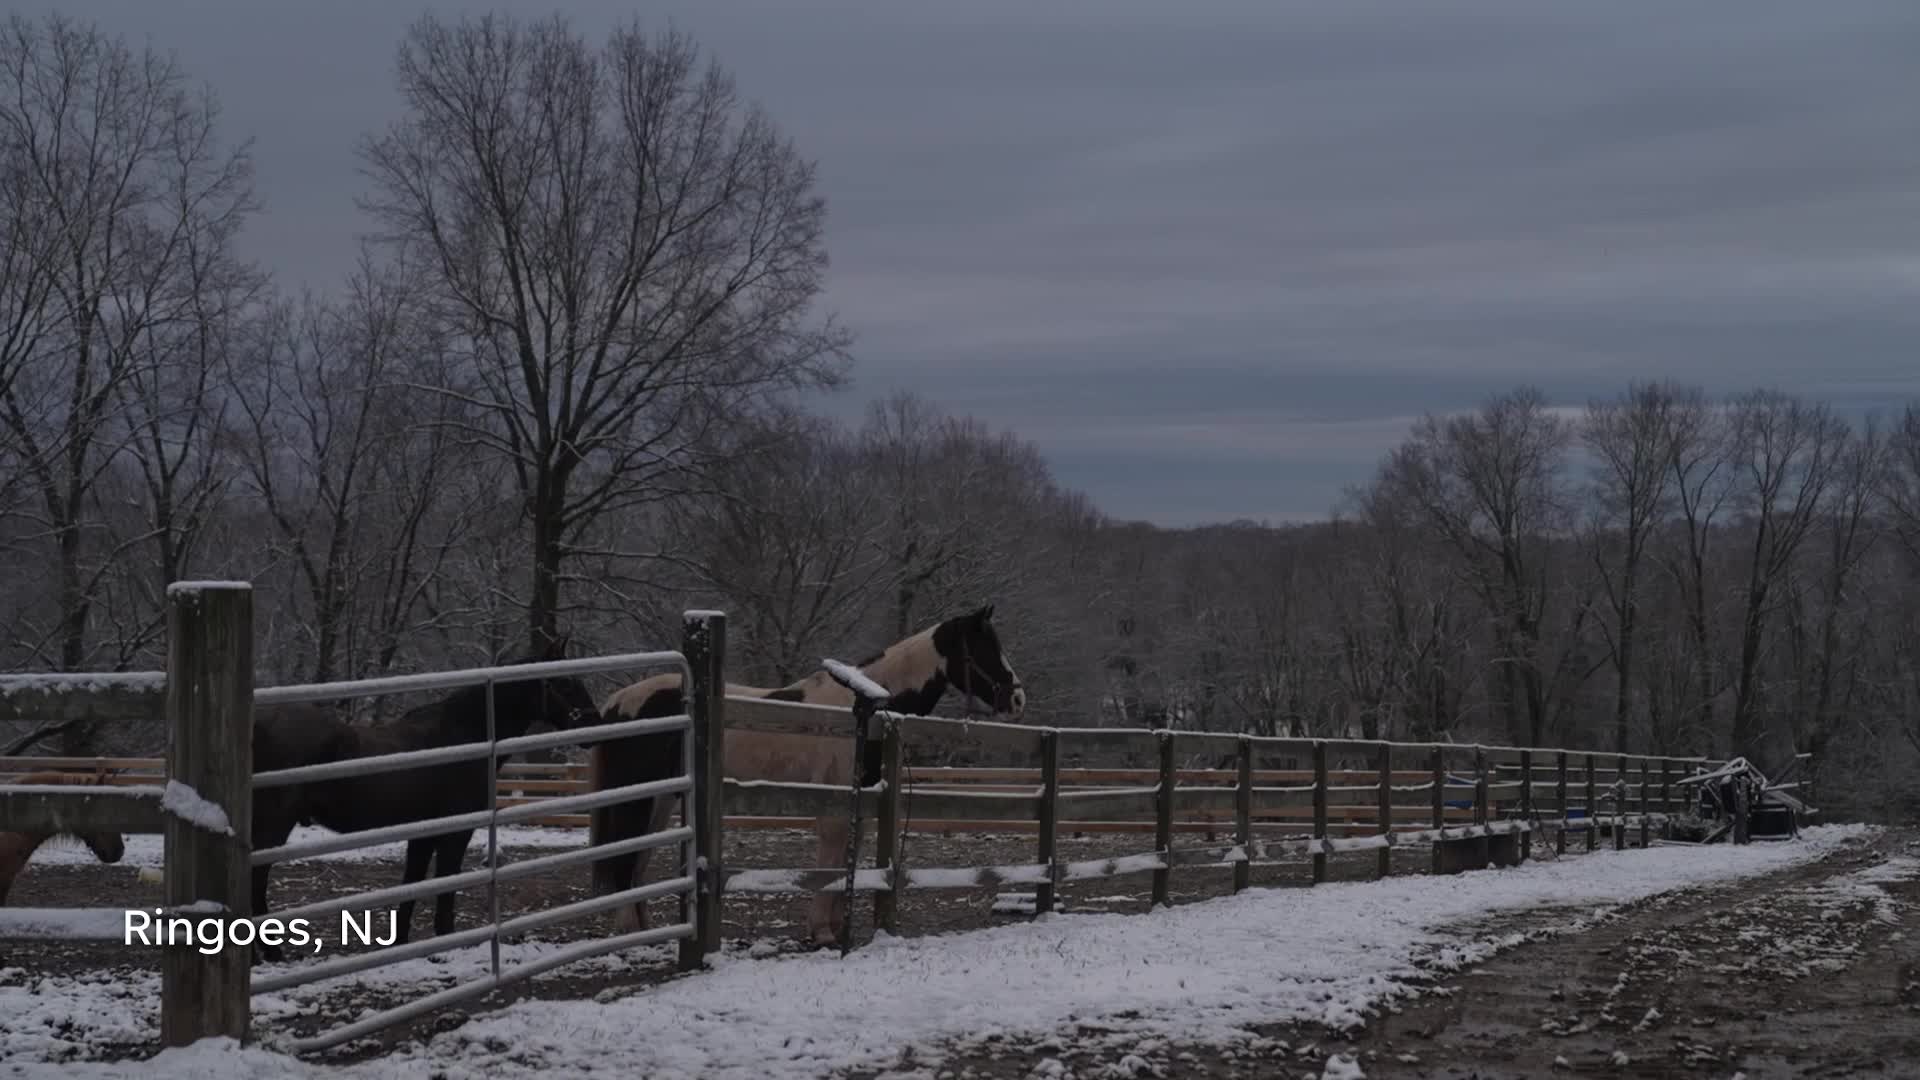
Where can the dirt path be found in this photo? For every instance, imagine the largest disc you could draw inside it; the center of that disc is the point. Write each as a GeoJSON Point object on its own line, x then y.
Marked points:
{"type": "Point", "coordinates": [1809, 972]}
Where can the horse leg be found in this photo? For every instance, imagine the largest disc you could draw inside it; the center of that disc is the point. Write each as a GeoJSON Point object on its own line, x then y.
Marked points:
{"type": "Point", "coordinates": [269, 831]}
{"type": "Point", "coordinates": [419, 854]}
{"type": "Point", "coordinates": [449, 852]}
{"type": "Point", "coordinates": [635, 918]}
{"type": "Point", "coordinates": [617, 873]}
{"type": "Point", "coordinates": [829, 910]}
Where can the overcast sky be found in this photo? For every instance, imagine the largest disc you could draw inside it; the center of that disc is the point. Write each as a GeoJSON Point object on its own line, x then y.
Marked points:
{"type": "Point", "coordinates": [1212, 257]}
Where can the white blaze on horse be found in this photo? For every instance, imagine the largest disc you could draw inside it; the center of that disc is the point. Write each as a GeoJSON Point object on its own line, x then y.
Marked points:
{"type": "Point", "coordinates": [962, 653]}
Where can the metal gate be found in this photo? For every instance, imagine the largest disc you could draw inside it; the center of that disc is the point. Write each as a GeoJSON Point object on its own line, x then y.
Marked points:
{"type": "Point", "coordinates": [490, 819]}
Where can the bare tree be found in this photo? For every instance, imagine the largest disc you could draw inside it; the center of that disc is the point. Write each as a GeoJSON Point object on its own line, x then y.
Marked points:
{"type": "Point", "coordinates": [352, 468]}
{"type": "Point", "coordinates": [625, 254]}
{"type": "Point", "coordinates": [1488, 483]}
{"type": "Point", "coordinates": [1786, 451]}
{"type": "Point", "coordinates": [1402, 638]}
{"type": "Point", "coordinates": [1700, 470]}
{"type": "Point", "coordinates": [1900, 483]}
{"type": "Point", "coordinates": [119, 164]}
{"type": "Point", "coordinates": [1828, 676]}
{"type": "Point", "coordinates": [1632, 441]}
{"type": "Point", "coordinates": [789, 542]}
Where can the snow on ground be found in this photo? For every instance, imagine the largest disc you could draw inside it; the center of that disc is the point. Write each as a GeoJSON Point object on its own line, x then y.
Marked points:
{"type": "Point", "coordinates": [144, 850]}
{"type": "Point", "coordinates": [54, 1019]}
{"type": "Point", "coordinates": [1201, 971]}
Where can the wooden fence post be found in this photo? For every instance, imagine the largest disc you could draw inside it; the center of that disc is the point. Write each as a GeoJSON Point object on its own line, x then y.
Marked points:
{"type": "Point", "coordinates": [209, 831]}
{"type": "Point", "coordinates": [886, 841]}
{"type": "Point", "coordinates": [1593, 806]}
{"type": "Point", "coordinates": [1620, 803]}
{"type": "Point", "coordinates": [1243, 813]}
{"type": "Point", "coordinates": [1666, 798]}
{"type": "Point", "coordinates": [1439, 763]}
{"type": "Point", "coordinates": [1163, 824]}
{"type": "Point", "coordinates": [1043, 895]}
{"type": "Point", "coordinates": [1526, 805]}
{"type": "Point", "coordinates": [1481, 798]}
{"type": "Point", "coordinates": [1560, 797]}
{"type": "Point", "coordinates": [863, 710]}
{"type": "Point", "coordinates": [1319, 811]}
{"type": "Point", "coordinates": [1385, 867]}
{"type": "Point", "coordinates": [703, 641]}
{"type": "Point", "coordinates": [1646, 798]}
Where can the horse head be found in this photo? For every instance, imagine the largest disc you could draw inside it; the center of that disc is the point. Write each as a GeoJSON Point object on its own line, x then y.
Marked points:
{"type": "Point", "coordinates": [564, 700]}
{"type": "Point", "coordinates": [977, 666]}
{"type": "Point", "coordinates": [106, 846]}
{"type": "Point", "coordinates": [560, 701]}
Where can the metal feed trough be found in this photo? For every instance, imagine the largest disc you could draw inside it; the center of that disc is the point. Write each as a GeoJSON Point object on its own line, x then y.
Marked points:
{"type": "Point", "coordinates": [1735, 791]}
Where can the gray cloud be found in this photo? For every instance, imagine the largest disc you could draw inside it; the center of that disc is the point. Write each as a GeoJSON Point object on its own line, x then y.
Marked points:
{"type": "Point", "coordinates": [1211, 256]}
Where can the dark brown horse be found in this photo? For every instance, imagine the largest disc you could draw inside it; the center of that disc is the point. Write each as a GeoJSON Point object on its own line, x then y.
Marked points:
{"type": "Point", "coordinates": [16, 848]}
{"type": "Point", "coordinates": [288, 736]}
{"type": "Point", "coordinates": [962, 653]}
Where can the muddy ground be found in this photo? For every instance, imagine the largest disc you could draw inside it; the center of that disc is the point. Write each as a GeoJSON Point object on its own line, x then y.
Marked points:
{"type": "Point", "coordinates": [1801, 978]}
{"type": "Point", "coordinates": [1804, 974]}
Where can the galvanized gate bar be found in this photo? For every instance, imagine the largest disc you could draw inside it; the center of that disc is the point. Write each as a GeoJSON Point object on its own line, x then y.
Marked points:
{"type": "Point", "coordinates": [512, 871]}
{"type": "Point", "coordinates": [482, 987]}
{"type": "Point", "coordinates": [457, 680]}
{"type": "Point", "coordinates": [473, 820]}
{"type": "Point", "coordinates": [473, 751]}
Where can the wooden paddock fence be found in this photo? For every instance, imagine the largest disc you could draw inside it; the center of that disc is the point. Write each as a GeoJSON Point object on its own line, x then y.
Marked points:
{"type": "Point", "coordinates": [1282, 800]}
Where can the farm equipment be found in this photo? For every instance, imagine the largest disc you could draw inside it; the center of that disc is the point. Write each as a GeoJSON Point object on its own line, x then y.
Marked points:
{"type": "Point", "coordinates": [1732, 791]}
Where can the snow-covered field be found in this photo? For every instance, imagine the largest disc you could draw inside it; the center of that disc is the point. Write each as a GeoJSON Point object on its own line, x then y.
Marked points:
{"type": "Point", "coordinates": [1200, 972]}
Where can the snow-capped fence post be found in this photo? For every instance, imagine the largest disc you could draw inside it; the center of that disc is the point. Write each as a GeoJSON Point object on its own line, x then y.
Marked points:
{"type": "Point", "coordinates": [1560, 802]}
{"type": "Point", "coordinates": [1043, 894]}
{"type": "Point", "coordinates": [209, 800]}
{"type": "Point", "coordinates": [1593, 807]}
{"type": "Point", "coordinates": [1319, 811]}
{"type": "Point", "coordinates": [1243, 812]}
{"type": "Point", "coordinates": [1526, 804]}
{"type": "Point", "coordinates": [703, 641]}
{"type": "Point", "coordinates": [1438, 764]}
{"type": "Point", "coordinates": [1385, 867]}
{"type": "Point", "coordinates": [886, 825]}
{"type": "Point", "coordinates": [1163, 824]}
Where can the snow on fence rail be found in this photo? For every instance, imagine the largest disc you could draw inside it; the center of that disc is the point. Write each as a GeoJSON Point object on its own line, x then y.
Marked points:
{"type": "Point", "coordinates": [201, 799]}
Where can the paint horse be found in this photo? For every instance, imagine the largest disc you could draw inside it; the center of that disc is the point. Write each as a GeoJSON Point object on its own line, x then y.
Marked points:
{"type": "Point", "coordinates": [18, 847]}
{"type": "Point", "coordinates": [289, 736]}
{"type": "Point", "coordinates": [962, 653]}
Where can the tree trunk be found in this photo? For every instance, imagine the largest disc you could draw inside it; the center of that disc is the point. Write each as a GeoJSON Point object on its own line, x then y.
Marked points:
{"type": "Point", "coordinates": [1623, 661]}
{"type": "Point", "coordinates": [543, 606]}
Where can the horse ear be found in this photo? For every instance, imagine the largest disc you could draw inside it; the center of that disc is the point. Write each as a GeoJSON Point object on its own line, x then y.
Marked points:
{"type": "Point", "coordinates": [557, 647]}
{"type": "Point", "coordinates": [984, 615]}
